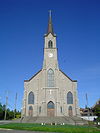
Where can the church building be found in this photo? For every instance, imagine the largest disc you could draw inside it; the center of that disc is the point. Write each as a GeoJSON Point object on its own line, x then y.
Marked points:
{"type": "Point", "coordinates": [50, 92]}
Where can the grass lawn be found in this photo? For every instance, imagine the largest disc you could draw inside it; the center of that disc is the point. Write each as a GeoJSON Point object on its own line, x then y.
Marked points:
{"type": "Point", "coordinates": [53, 128]}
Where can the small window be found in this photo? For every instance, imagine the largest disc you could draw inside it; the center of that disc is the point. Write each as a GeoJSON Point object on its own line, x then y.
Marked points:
{"type": "Point", "coordinates": [39, 109]}
{"type": "Point", "coordinates": [50, 44]}
{"type": "Point", "coordinates": [61, 109]}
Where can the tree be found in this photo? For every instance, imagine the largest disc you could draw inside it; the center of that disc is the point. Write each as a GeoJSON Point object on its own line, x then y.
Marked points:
{"type": "Point", "coordinates": [96, 110]}
{"type": "Point", "coordinates": [1, 112]}
{"type": "Point", "coordinates": [18, 114]}
{"type": "Point", "coordinates": [9, 113]}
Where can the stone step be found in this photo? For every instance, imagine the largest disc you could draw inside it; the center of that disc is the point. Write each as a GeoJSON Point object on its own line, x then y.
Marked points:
{"type": "Point", "coordinates": [57, 120]}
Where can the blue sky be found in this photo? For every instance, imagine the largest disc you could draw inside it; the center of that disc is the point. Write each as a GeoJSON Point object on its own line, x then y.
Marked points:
{"type": "Point", "coordinates": [23, 24]}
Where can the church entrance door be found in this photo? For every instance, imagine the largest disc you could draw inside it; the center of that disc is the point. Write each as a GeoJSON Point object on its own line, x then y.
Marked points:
{"type": "Point", "coordinates": [30, 111]}
{"type": "Point", "coordinates": [50, 109]}
{"type": "Point", "coordinates": [70, 111]}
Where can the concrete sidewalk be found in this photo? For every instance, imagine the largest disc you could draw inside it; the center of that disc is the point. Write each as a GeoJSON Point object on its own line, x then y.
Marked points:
{"type": "Point", "coordinates": [5, 122]}
{"type": "Point", "coordinates": [18, 131]}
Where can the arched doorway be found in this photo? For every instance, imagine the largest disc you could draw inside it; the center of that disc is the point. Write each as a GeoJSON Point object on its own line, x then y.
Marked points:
{"type": "Point", "coordinates": [30, 111]}
{"type": "Point", "coordinates": [70, 111]}
{"type": "Point", "coordinates": [50, 109]}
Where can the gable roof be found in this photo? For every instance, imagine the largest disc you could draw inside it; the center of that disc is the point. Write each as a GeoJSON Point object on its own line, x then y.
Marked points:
{"type": "Point", "coordinates": [41, 70]}
{"type": "Point", "coordinates": [33, 76]}
{"type": "Point", "coordinates": [68, 76]}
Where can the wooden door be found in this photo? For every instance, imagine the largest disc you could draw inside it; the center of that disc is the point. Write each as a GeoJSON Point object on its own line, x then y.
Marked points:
{"type": "Point", "coordinates": [30, 111]}
{"type": "Point", "coordinates": [50, 109]}
{"type": "Point", "coordinates": [70, 112]}
{"type": "Point", "coordinates": [50, 112]}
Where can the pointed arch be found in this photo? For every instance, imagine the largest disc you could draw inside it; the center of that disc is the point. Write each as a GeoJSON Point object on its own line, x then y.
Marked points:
{"type": "Point", "coordinates": [69, 98]}
{"type": "Point", "coordinates": [50, 109]}
{"type": "Point", "coordinates": [30, 108]}
{"type": "Point", "coordinates": [50, 44]}
{"type": "Point", "coordinates": [50, 105]}
{"type": "Point", "coordinates": [50, 76]}
{"type": "Point", "coordinates": [31, 98]}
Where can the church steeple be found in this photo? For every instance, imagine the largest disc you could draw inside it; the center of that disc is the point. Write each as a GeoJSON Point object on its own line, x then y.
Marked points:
{"type": "Point", "coordinates": [50, 49]}
{"type": "Point", "coordinates": [50, 25]}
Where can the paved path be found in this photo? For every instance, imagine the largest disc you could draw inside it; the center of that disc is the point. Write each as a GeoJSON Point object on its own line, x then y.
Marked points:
{"type": "Point", "coordinates": [4, 122]}
{"type": "Point", "coordinates": [18, 131]}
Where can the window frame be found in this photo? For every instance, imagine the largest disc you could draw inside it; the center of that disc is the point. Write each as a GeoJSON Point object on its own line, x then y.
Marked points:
{"type": "Point", "coordinates": [31, 98]}
{"type": "Point", "coordinates": [50, 78]}
{"type": "Point", "coordinates": [69, 97]}
{"type": "Point", "coordinates": [50, 44]}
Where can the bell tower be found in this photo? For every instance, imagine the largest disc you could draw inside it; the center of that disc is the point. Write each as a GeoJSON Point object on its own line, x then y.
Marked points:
{"type": "Point", "coordinates": [50, 49]}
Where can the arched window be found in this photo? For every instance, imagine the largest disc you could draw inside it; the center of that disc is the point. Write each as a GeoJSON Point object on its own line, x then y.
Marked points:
{"type": "Point", "coordinates": [50, 76]}
{"type": "Point", "coordinates": [50, 105]}
{"type": "Point", "coordinates": [69, 98]}
{"type": "Point", "coordinates": [31, 98]}
{"type": "Point", "coordinates": [50, 44]}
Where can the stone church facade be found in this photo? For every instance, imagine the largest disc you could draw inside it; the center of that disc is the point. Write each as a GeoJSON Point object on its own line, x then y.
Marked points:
{"type": "Point", "coordinates": [50, 92]}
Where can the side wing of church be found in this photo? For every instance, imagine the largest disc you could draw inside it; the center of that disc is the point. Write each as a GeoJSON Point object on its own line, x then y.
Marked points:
{"type": "Point", "coordinates": [50, 92]}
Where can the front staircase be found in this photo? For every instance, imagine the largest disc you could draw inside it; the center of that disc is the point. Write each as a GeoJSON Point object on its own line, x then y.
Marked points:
{"type": "Point", "coordinates": [55, 120]}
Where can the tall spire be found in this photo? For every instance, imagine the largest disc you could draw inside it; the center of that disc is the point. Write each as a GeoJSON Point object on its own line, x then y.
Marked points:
{"type": "Point", "coordinates": [50, 26]}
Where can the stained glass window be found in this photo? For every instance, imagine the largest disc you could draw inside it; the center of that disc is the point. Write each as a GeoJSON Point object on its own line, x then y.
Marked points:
{"type": "Point", "coordinates": [31, 98]}
{"type": "Point", "coordinates": [50, 76]}
{"type": "Point", "coordinates": [69, 98]}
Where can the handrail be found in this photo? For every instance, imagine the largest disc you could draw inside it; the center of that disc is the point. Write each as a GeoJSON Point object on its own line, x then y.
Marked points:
{"type": "Point", "coordinates": [70, 118]}
{"type": "Point", "coordinates": [21, 119]}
